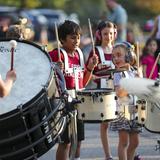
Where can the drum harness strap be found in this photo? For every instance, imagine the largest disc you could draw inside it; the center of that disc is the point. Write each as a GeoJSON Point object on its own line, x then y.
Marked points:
{"type": "Point", "coordinates": [76, 69]}
{"type": "Point", "coordinates": [109, 63]}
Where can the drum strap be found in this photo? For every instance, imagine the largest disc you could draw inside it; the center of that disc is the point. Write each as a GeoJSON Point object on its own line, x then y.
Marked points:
{"type": "Point", "coordinates": [103, 82]}
{"type": "Point", "coordinates": [75, 70]}
{"type": "Point", "coordinates": [102, 58]}
{"type": "Point", "coordinates": [66, 64]}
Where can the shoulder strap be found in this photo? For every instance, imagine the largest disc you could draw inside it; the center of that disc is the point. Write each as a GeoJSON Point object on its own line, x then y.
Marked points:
{"type": "Point", "coordinates": [81, 58]}
{"type": "Point", "coordinates": [102, 58]}
{"type": "Point", "coordinates": [66, 64]}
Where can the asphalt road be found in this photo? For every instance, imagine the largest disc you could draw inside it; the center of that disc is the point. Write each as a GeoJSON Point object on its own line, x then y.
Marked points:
{"type": "Point", "coordinates": [92, 148]}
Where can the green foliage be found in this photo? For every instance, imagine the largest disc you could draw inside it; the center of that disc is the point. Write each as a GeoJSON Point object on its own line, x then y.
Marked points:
{"type": "Point", "coordinates": [138, 10]}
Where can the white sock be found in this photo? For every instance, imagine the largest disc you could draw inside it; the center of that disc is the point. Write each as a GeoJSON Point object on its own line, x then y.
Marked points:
{"type": "Point", "coordinates": [77, 158]}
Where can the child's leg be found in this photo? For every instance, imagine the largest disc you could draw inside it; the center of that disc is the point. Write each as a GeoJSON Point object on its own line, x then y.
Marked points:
{"type": "Point", "coordinates": [122, 146]}
{"type": "Point", "coordinates": [104, 138]}
{"type": "Point", "coordinates": [77, 155]}
{"type": "Point", "coordinates": [62, 151]}
{"type": "Point", "coordinates": [133, 144]}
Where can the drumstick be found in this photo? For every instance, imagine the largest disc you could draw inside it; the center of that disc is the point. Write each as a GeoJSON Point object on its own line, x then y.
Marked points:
{"type": "Point", "coordinates": [137, 54]}
{"type": "Point", "coordinates": [57, 38]}
{"type": "Point", "coordinates": [90, 30]}
{"type": "Point", "coordinates": [153, 68]}
{"type": "Point", "coordinates": [13, 44]}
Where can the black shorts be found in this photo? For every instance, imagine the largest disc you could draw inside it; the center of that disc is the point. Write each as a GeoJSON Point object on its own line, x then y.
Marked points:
{"type": "Point", "coordinates": [80, 132]}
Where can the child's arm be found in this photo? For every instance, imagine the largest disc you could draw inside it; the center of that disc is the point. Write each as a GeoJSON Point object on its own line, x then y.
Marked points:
{"type": "Point", "coordinates": [121, 92]}
{"type": "Point", "coordinates": [93, 61]}
{"type": "Point", "coordinates": [144, 67]}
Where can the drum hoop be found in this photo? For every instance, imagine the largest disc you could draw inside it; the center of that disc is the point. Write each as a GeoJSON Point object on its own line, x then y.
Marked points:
{"type": "Point", "coordinates": [42, 91]}
{"type": "Point", "coordinates": [98, 92]}
{"type": "Point", "coordinates": [51, 114]}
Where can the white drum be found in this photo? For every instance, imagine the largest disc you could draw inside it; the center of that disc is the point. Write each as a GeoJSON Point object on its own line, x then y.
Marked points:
{"type": "Point", "coordinates": [97, 105]}
{"type": "Point", "coordinates": [153, 117]}
{"type": "Point", "coordinates": [134, 112]}
{"type": "Point", "coordinates": [141, 110]}
{"type": "Point", "coordinates": [128, 111]}
{"type": "Point", "coordinates": [30, 122]}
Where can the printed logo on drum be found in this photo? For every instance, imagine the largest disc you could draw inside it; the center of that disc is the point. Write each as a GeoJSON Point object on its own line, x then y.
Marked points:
{"type": "Point", "coordinates": [46, 130]}
{"type": "Point", "coordinates": [6, 50]}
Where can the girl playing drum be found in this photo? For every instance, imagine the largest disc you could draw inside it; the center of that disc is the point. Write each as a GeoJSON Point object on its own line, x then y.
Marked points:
{"type": "Point", "coordinates": [123, 57]}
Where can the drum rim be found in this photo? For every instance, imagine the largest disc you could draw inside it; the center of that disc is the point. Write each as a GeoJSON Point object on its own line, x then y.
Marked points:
{"type": "Point", "coordinates": [42, 91]}
{"type": "Point", "coordinates": [104, 91]}
{"type": "Point", "coordinates": [150, 130]}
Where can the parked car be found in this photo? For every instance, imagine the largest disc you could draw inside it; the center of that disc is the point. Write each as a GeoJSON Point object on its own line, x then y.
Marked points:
{"type": "Point", "coordinates": [53, 16]}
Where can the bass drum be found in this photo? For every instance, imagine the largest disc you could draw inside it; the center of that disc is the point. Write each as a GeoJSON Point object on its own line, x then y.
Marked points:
{"type": "Point", "coordinates": [30, 121]}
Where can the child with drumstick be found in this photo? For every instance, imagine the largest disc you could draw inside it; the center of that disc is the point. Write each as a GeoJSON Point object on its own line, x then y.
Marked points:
{"type": "Point", "coordinates": [148, 59]}
{"type": "Point", "coordinates": [128, 130]}
{"type": "Point", "coordinates": [70, 57]}
{"type": "Point", "coordinates": [105, 36]}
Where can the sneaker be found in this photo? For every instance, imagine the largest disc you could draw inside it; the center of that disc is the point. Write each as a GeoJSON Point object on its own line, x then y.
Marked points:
{"type": "Point", "coordinates": [110, 158]}
{"type": "Point", "coordinates": [138, 157]}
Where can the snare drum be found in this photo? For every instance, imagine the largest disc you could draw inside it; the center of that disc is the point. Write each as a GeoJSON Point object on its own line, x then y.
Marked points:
{"type": "Point", "coordinates": [141, 110]}
{"type": "Point", "coordinates": [97, 105]}
{"type": "Point", "coordinates": [128, 111]}
{"type": "Point", "coordinates": [134, 112]}
{"type": "Point", "coordinates": [29, 123]}
{"type": "Point", "coordinates": [153, 117]}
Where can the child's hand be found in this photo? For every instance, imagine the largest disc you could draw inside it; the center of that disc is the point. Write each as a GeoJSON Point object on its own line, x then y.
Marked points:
{"type": "Point", "coordinates": [93, 61]}
{"type": "Point", "coordinates": [11, 75]}
{"type": "Point", "coordinates": [60, 64]}
{"type": "Point", "coordinates": [139, 72]}
{"type": "Point", "coordinates": [125, 66]}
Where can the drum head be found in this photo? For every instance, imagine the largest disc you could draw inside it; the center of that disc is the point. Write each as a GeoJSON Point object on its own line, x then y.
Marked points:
{"type": "Point", "coordinates": [32, 66]}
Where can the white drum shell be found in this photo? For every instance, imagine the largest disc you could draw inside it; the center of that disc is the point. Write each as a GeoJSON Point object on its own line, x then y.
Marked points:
{"type": "Point", "coordinates": [97, 109]}
{"type": "Point", "coordinates": [129, 112]}
{"type": "Point", "coordinates": [134, 112]}
{"type": "Point", "coordinates": [153, 118]}
{"type": "Point", "coordinates": [141, 110]}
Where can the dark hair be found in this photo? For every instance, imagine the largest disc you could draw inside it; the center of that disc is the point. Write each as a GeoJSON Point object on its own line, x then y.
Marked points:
{"type": "Point", "coordinates": [100, 27]}
{"type": "Point", "coordinates": [130, 56]}
{"type": "Point", "coordinates": [15, 32]}
{"type": "Point", "coordinates": [68, 28]}
{"type": "Point", "coordinates": [145, 50]}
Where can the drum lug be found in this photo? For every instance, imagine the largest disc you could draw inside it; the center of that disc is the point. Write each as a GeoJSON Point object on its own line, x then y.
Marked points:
{"type": "Point", "coordinates": [116, 98]}
{"type": "Point", "coordinates": [116, 113]}
{"type": "Point", "coordinates": [83, 115]}
{"type": "Point", "coordinates": [101, 99]}
{"type": "Point", "coordinates": [82, 99]}
{"type": "Point", "coordinates": [102, 115]}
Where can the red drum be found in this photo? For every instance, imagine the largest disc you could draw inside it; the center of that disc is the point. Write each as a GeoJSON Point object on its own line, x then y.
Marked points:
{"type": "Point", "coordinates": [97, 105]}
{"type": "Point", "coordinates": [30, 121]}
